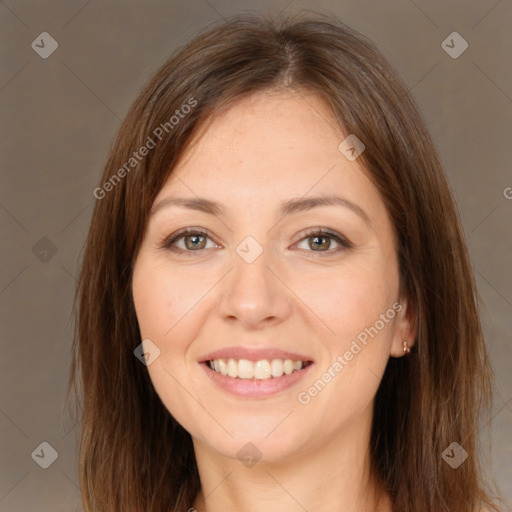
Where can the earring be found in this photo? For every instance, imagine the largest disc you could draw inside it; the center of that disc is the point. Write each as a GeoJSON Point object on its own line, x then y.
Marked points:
{"type": "Point", "coordinates": [406, 348]}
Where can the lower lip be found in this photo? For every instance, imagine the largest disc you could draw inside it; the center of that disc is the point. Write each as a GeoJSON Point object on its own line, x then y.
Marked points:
{"type": "Point", "coordinates": [255, 388]}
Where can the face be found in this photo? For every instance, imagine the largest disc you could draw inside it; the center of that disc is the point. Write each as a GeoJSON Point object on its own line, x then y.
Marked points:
{"type": "Point", "coordinates": [302, 297]}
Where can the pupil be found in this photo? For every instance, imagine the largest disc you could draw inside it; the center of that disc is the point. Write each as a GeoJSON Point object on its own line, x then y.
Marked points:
{"type": "Point", "coordinates": [317, 238]}
{"type": "Point", "coordinates": [194, 241]}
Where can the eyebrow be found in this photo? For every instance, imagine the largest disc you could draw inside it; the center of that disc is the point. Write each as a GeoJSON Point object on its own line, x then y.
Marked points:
{"type": "Point", "coordinates": [286, 208]}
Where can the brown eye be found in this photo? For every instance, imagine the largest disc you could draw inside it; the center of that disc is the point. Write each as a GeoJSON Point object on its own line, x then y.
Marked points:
{"type": "Point", "coordinates": [321, 240]}
{"type": "Point", "coordinates": [194, 241]}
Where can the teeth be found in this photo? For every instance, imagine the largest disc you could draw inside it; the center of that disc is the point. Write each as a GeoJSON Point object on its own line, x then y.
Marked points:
{"type": "Point", "coordinates": [223, 367]}
{"type": "Point", "coordinates": [260, 370]}
{"type": "Point", "coordinates": [276, 367]}
{"type": "Point", "coordinates": [246, 369]}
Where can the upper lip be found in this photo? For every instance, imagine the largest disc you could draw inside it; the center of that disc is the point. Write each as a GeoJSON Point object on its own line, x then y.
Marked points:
{"type": "Point", "coordinates": [253, 354]}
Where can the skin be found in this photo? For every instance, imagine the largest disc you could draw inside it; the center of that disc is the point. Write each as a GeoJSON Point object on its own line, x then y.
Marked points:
{"type": "Point", "coordinates": [265, 149]}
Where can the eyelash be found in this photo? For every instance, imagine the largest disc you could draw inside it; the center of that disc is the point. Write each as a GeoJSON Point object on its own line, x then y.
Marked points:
{"type": "Point", "coordinates": [168, 242]}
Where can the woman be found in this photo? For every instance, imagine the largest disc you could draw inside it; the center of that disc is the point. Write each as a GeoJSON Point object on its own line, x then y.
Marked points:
{"type": "Point", "coordinates": [276, 307]}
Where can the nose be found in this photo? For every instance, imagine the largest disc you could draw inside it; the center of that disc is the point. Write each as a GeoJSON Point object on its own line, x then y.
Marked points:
{"type": "Point", "coordinates": [253, 295]}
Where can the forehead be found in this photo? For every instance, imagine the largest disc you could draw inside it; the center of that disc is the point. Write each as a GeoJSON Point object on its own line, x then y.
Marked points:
{"type": "Point", "coordinates": [273, 125]}
{"type": "Point", "coordinates": [269, 147]}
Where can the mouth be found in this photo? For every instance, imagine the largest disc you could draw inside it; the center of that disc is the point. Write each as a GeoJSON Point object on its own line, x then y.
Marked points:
{"type": "Point", "coordinates": [255, 372]}
{"type": "Point", "coordinates": [262, 369]}
{"type": "Point", "coordinates": [258, 379]}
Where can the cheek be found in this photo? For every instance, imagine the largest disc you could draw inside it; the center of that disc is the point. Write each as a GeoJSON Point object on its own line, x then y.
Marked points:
{"type": "Point", "coordinates": [170, 309]}
{"type": "Point", "coordinates": [161, 314]}
{"type": "Point", "coordinates": [153, 303]}
{"type": "Point", "coordinates": [162, 298]}
{"type": "Point", "coordinates": [357, 305]}
{"type": "Point", "coordinates": [351, 298]}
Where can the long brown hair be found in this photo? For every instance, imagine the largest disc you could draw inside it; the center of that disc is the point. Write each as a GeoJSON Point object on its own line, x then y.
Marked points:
{"type": "Point", "coordinates": [133, 455]}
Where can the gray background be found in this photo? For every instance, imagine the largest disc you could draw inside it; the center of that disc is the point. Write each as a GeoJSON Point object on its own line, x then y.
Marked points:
{"type": "Point", "coordinates": [58, 119]}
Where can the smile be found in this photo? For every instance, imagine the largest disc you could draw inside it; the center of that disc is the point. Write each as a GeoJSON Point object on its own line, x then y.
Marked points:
{"type": "Point", "coordinates": [256, 387]}
{"type": "Point", "coordinates": [260, 370]}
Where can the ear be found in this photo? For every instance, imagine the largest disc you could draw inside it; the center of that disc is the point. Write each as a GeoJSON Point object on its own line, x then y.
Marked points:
{"type": "Point", "coordinates": [405, 328]}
